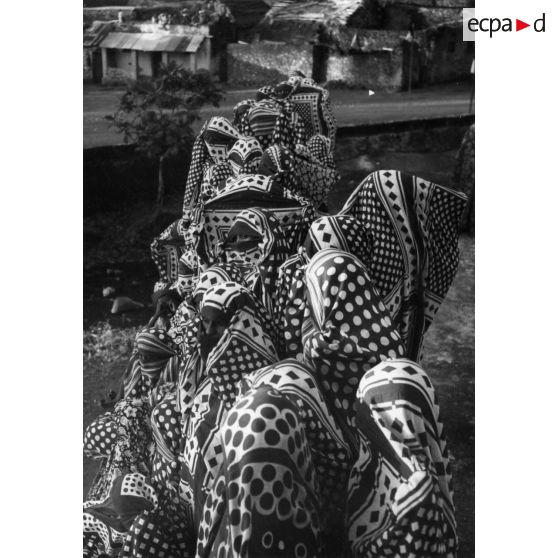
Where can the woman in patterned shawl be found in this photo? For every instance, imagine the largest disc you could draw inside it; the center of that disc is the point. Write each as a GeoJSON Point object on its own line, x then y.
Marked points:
{"type": "Point", "coordinates": [242, 158]}
{"type": "Point", "coordinates": [232, 343]}
{"type": "Point", "coordinates": [256, 243]}
{"type": "Point", "coordinates": [337, 231]}
{"type": "Point", "coordinates": [272, 122]}
{"type": "Point", "coordinates": [309, 170]}
{"type": "Point", "coordinates": [211, 146]}
{"type": "Point", "coordinates": [414, 225]}
{"type": "Point", "coordinates": [185, 326]}
{"type": "Point", "coordinates": [282, 486]}
{"type": "Point", "coordinates": [121, 438]}
{"type": "Point", "coordinates": [400, 492]}
{"type": "Point", "coordinates": [133, 521]}
{"type": "Point", "coordinates": [312, 103]}
{"type": "Point", "coordinates": [351, 329]}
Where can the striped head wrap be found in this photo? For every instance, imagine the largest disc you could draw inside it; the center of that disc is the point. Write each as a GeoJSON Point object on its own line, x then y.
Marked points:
{"type": "Point", "coordinates": [161, 347]}
{"type": "Point", "coordinates": [244, 156]}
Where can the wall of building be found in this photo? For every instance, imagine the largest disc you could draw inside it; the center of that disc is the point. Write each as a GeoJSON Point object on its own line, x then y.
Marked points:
{"type": "Point", "coordinates": [448, 57]}
{"type": "Point", "coordinates": [87, 65]}
{"type": "Point", "coordinates": [123, 59]}
{"type": "Point", "coordinates": [263, 62]}
{"type": "Point", "coordinates": [183, 59]}
{"type": "Point", "coordinates": [114, 76]}
{"type": "Point", "coordinates": [380, 71]}
{"type": "Point", "coordinates": [119, 67]}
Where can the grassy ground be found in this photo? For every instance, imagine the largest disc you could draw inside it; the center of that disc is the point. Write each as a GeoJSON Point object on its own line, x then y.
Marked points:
{"type": "Point", "coordinates": [117, 254]}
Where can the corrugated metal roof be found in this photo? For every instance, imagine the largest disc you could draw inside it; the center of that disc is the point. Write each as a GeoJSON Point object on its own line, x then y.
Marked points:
{"type": "Point", "coordinates": [313, 10]}
{"type": "Point", "coordinates": [152, 42]}
{"type": "Point", "coordinates": [96, 33]}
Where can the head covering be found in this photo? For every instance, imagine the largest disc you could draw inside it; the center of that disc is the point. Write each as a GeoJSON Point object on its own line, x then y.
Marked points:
{"type": "Point", "coordinates": [352, 330]}
{"type": "Point", "coordinates": [244, 156]}
{"type": "Point", "coordinates": [206, 393]}
{"type": "Point", "coordinates": [161, 348]}
{"type": "Point", "coordinates": [273, 121]}
{"type": "Point", "coordinates": [214, 179]}
{"type": "Point", "coordinates": [240, 108]}
{"type": "Point", "coordinates": [227, 273]}
{"type": "Point", "coordinates": [217, 274]}
{"type": "Point", "coordinates": [252, 188]}
{"type": "Point", "coordinates": [129, 495]}
{"type": "Point", "coordinates": [315, 169]}
{"type": "Point", "coordinates": [166, 250]}
{"type": "Point", "coordinates": [341, 232]}
{"type": "Point", "coordinates": [265, 92]}
{"type": "Point", "coordinates": [186, 278]}
{"type": "Point", "coordinates": [244, 345]}
{"type": "Point", "coordinates": [312, 104]}
{"type": "Point", "coordinates": [215, 139]}
{"type": "Point", "coordinates": [400, 492]}
{"type": "Point", "coordinates": [414, 224]}
{"type": "Point", "coordinates": [279, 163]}
{"type": "Point", "coordinates": [319, 147]}
{"type": "Point", "coordinates": [269, 254]}
{"type": "Point", "coordinates": [105, 524]}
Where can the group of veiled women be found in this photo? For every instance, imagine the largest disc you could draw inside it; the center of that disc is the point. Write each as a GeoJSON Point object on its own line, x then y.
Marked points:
{"type": "Point", "coordinates": [275, 404]}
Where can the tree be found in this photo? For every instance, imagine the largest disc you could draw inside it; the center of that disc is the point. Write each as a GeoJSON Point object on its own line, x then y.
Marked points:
{"type": "Point", "coordinates": [157, 115]}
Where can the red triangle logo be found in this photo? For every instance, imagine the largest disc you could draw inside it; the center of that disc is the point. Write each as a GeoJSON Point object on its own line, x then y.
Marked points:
{"type": "Point", "coordinates": [519, 25]}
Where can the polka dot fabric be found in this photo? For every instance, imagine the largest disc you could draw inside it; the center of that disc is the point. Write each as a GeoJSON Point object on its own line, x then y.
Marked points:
{"type": "Point", "coordinates": [129, 451]}
{"type": "Point", "coordinates": [330, 451]}
{"type": "Point", "coordinates": [414, 224]}
{"type": "Point", "coordinates": [212, 145]}
{"type": "Point", "coordinates": [263, 503]}
{"type": "Point", "coordinates": [352, 327]}
{"type": "Point", "coordinates": [166, 251]}
{"type": "Point", "coordinates": [214, 179]}
{"type": "Point", "coordinates": [206, 393]}
{"type": "Point", "coordinates": [339, 231]}
{"type": "Point", "coordinates": [244, 345]}
{"type": "Point", "coordinates": [100, 437]}
{"type": "Point", "coordinates": [400, 492]}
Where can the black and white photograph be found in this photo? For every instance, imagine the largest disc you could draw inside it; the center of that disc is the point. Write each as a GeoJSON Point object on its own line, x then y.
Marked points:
{"type": "Point", "coordinates": [278, 279]}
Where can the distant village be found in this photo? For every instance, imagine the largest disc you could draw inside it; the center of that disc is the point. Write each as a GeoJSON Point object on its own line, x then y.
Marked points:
{"type": "Point", "coordinates": [384, 45]}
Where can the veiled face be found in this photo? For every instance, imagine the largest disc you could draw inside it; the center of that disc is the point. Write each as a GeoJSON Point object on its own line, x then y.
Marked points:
{"type": "Point", "coordinates": [213, 325]}
{"type": "Point", "coordinates": [243, 246]}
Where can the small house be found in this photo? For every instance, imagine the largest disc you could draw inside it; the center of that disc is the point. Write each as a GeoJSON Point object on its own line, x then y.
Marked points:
{"type": "Point", "coordinates": [132, 55]}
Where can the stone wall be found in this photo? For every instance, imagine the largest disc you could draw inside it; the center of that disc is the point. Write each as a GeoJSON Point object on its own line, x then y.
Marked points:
{"type": "Point", "coordinates": [448, 57]}
{"type": "Point", "coordinates": [423, 137]}
{"type": "Point", "coordinates": [266, 62]}
{"type": "Point", "coordinates": [116, 76]}
{"type": "Point", "coordinates": [380, 71]}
